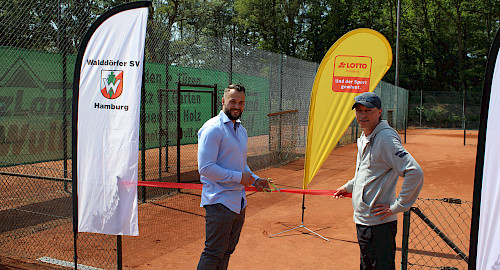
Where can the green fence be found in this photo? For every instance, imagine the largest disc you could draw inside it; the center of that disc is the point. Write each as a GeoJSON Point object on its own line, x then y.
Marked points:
{"type": "Point", "coordinates": [444, 109]}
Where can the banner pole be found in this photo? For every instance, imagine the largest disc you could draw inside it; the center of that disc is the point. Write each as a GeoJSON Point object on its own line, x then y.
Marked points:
{"type": "Point", "coordinates": [179, 131]}
{"type": "Point", "coordinates": [119, 254]}
{"type": "Point", "coordinates": [303, 207]}
{"type": "Point", "coordinates": [74, 138]}
{"type": "Point", "coordinates": [143, 133]}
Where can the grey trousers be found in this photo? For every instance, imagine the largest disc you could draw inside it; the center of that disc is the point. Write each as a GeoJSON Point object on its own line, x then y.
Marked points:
{"type": "Point", "coordinates": [223, 228]}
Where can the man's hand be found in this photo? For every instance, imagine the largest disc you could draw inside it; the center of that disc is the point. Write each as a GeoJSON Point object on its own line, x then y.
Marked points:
{"type": "Point", "coordinates": [382, 210]}
{"type": "Point", "coordinates": [340, 192]}
{"type": "Point", "coordinates": [247, 179]}
{"type": "Point", "coordinates": [261, 184]}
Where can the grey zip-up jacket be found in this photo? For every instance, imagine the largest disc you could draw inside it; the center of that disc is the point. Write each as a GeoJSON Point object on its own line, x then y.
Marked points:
{"type": "Point", "coordinates": [378, 168]}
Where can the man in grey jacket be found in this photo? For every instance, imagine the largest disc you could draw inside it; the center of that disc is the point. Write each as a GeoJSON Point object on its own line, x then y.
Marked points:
{"type": "Point", "coordinates": [381, 160]}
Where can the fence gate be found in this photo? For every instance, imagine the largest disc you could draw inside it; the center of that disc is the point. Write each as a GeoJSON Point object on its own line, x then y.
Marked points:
{"type": "Point", "coordinates": [436, 234]}
{"type": "Point", "coordinates": [182, 112]}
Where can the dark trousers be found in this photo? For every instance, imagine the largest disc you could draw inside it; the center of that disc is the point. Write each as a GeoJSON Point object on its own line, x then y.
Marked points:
{"type": "Point", "coordinates": [377, 246]}
{"type": "Point", "coordinates": [223, 228]}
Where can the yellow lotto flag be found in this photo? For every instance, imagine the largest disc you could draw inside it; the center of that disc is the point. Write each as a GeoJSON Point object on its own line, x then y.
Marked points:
{"type": "Point", "coordinates": [354, 64]}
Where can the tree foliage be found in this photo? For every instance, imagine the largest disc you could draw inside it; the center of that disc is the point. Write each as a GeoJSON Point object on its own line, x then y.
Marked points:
{"type": "Point", "coordinates": [443, 44]}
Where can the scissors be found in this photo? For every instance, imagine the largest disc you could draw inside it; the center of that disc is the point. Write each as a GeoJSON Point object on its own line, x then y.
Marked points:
{"type": "Point", "coordinates": [273, 187]}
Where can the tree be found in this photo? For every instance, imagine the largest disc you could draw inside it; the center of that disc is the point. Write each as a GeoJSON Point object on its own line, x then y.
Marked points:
{"type": "Point", "coordinates": [275, 26]}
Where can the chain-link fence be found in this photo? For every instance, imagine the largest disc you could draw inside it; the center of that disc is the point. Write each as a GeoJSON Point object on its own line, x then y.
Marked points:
{"type": "Point", "coordinates": [445, 109]}
{"type": "Point", "coordinates": [185, 74]}
{"type": "Point", "coordinates": [436, 234]}
{"type": "Point", "coordinates": [283, 136]}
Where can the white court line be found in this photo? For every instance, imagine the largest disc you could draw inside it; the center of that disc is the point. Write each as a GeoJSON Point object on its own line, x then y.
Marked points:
{"type": "Point", "coordinates": [66, 263]}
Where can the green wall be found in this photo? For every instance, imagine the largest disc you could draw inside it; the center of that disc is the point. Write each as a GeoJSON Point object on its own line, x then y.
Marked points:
{"type": "Point", "coordinates": [32, 101]}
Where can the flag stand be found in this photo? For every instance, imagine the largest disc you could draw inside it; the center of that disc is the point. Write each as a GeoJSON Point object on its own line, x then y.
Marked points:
{"type": "Point", "coordinates": [301, 223]}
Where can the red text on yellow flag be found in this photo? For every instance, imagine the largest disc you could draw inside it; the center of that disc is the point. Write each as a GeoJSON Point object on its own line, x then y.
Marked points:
{"type": "Point", "coordinates": [352, 74]}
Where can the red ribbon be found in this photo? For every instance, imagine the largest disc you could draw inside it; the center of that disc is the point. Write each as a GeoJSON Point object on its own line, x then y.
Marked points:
{"type": "Point", "coordinates": [200, 186]}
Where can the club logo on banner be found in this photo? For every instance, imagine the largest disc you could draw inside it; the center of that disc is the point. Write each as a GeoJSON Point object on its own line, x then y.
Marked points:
{"type": "Point", "coordinates": [352, 73]}
{"type": "Point", "coordinates": [111, 83]}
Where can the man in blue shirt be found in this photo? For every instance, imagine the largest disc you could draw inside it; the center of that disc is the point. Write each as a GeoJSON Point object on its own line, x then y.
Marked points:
{"type": "Point", "coordinates": [222, 164]}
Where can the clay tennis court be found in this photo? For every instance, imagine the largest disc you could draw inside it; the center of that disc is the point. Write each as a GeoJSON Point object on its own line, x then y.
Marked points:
{"type": "Point", "coordinates": [448, 170]}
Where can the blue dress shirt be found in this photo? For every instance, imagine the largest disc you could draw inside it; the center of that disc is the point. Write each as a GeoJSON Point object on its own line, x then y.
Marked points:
{"type": "Point", "coordinates": [222, 157]}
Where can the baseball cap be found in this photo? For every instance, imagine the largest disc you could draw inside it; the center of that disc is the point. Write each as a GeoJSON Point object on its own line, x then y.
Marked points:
{"type": "Point", "coordinates": [367, 99]}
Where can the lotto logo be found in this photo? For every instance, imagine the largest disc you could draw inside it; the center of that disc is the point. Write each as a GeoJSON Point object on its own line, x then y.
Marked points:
{"type": "Point", "coordinates": [353, 65]}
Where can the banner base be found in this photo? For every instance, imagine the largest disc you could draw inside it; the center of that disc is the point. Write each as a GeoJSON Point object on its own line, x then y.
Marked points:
{"type": "Point", "coordinates": [299, 227]}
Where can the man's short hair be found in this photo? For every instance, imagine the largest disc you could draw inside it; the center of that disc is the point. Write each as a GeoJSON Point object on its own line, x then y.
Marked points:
{"type": "Point", "coordinates": [237, 87]}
